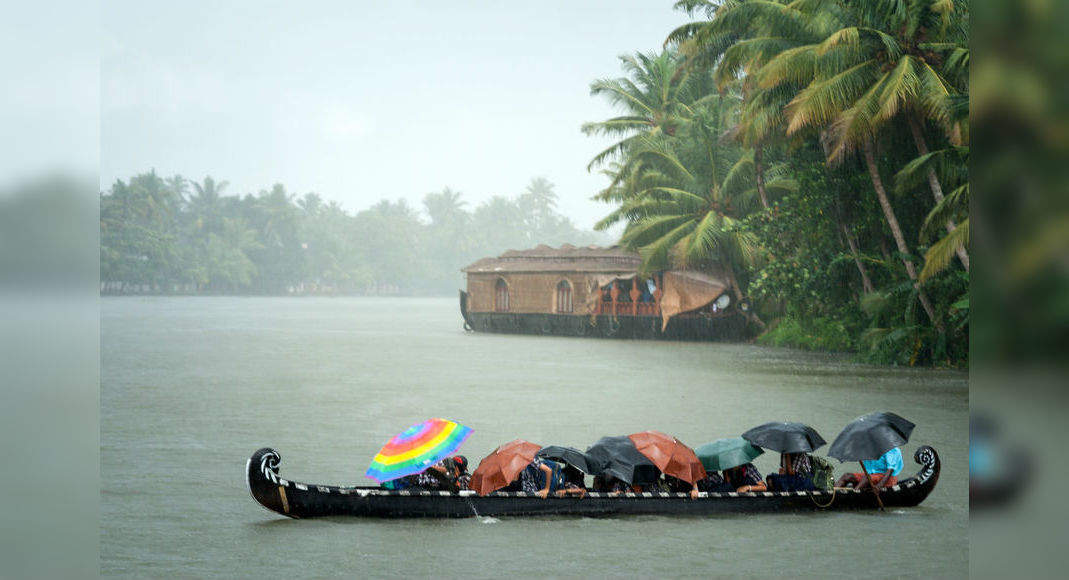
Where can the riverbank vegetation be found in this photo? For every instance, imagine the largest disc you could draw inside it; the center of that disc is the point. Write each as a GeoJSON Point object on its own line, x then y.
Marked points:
{"type": "Point", "coordinates": [813, 151]}
{"type": "Point", "coordinates": [175, 236]}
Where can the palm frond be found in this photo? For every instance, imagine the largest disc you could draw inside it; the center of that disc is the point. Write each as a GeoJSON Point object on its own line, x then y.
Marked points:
{"type": "Point", "coordinates": [953, 207]}
{"type": "Point", "coordinates": [939, 256]}
{"type": "Point", "coordinates": [820, 102]}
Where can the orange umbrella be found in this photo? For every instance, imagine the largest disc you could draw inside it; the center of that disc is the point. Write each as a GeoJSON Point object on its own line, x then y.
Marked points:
{"type": "Point", "coordinates": [502, 466]}
{"type": "Point", "coordinates": [669, 454]}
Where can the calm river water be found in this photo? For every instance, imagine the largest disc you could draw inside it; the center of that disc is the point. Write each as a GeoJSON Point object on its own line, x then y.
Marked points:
{"type": "Point", "coordinates": [190, 387]}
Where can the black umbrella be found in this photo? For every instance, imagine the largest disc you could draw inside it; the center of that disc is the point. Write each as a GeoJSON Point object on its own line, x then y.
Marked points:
{"type": "Point", "coordinates": [785, 437]}
{"type": "Point", "coordinates": [569, 456]}
{"type": "Point", "coordinates": [870, 436]}
{"type": "Point", "coordinates": [618, 457]}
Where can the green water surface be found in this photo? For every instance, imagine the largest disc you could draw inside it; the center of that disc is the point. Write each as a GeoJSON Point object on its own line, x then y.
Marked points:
{"type": "Point", "coordinates": [190, 387]}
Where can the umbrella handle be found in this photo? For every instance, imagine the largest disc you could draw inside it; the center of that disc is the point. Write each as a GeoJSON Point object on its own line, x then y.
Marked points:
{"type": "Point", "coordinates": [879, 500]}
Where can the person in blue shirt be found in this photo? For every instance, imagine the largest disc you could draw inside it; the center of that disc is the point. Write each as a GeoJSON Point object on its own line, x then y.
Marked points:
{"type": "Point", "coordinates": [795, 473]}
{"type": "Point", "coordinates": [883, 472]}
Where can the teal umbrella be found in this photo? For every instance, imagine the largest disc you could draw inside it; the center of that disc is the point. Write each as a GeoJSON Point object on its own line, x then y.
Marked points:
{"type": "Point", "coordinates": [727, 453]}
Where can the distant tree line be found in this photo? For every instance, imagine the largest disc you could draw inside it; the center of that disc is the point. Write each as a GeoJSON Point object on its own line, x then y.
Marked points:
{"type": "Point", "coordinates": [171, 235]}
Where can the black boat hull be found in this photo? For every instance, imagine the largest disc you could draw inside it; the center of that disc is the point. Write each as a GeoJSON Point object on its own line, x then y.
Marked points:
{"type": "Point", "coordinates": [300, 500]}
{"type": "Point", "coordinates": [727, 327]}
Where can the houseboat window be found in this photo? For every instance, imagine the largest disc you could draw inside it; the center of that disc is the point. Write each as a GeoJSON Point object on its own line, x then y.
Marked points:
{"type": "Point", "coordinates": [501, 296]}
{"type": "Point", "coordinates": [564, 296]}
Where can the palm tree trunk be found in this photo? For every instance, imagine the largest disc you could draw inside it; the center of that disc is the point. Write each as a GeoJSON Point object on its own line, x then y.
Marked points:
{"type": "Point", "coordinates": [933, 183]}
{"type": "Point", "coordinates": [896, 232]}
{"type": "Point", "coordinates": [866, 283]}
{"type": "Point", "coordinates": [759, 171]}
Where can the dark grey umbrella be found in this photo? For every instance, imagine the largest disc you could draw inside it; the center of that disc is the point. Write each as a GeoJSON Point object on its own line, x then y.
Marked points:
{"type": "Point", "coordinates": [618, 457]}
{"type": "Point", "coordinates": [870, 436]}
{"type": "Point", "coordinates": [569, 456]}
{"type": "Point", "coordinates": [785, 437]}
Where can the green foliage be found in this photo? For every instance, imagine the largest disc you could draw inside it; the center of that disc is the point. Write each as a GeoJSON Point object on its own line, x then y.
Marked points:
{"type": "Point", "coordinates": [163, 236]}
{"type": "Point", "coordinates": [826, 334]}
{"type": "Point", "coordinates": [808, 107]}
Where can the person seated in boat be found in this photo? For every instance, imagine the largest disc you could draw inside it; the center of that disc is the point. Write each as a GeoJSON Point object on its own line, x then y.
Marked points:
{"type": "Point", "coordinates": [611, 485]}
{"type": "Point", "coordinates": [398, 484]}
{"type": "Point", "coordinates": [439, 477]}
{"type": "Point", "coordinates": [883, 472]}
{"type": "Point", "coordinates": [463, 479]}
{"type": "Point", "coordinates": [714, 482]}
{"type": "Point", "coordinates": [745, 478]}
{"type": "Point", "coordinates": [573, 476]}
{"type": "Point", "coordinates": [513, 486]}
{"type": "Point", "coordinates": [676, 485]}
{"type": "Point", "coordinates": [543, 477]}
{"type": "Point", "coordinates": [795, 473]}
{"type": "Point", "coordinates": [540, 477]}
{"type": "Point", "coordinates": [657, 486]}
{"type": "Point", "coordinates": [574, 482]}
{"type": "Point", "coordinates": [571, 489]}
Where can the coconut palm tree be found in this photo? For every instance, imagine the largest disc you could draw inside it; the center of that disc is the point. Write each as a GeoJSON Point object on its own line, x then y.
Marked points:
{"type": "Point", "coordinates": [445, 208]}
{"type": "Point", "coordinates": [866, 72]}
{"type": "Point", "coordinates": [539, 203]}
{"type": "Point", "coordinates": [951, 165]}
{"type": "Point", "coordinates": [206, 205]}
{"type": "Point", "coordinates": [683, 199]}
{"type": "Point", "coordinates": [739, 37]}
{"type": "Point", "coordinates": [655, 96]}
{"type": "Point", "coordinates": [874, 66]}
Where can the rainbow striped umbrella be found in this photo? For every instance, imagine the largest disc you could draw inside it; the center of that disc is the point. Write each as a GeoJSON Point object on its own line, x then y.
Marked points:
{"type": "Point", "coordinates": [417, 448]}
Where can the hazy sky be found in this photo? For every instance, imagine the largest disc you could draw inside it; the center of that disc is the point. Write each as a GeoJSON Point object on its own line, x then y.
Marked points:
{"type": "Point", "coordinates": [358, 101]}
{"type": "Point", "coordinates": [49, 98]}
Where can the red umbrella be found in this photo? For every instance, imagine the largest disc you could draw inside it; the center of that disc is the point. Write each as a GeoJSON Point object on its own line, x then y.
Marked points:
{"type": "Point", "coordinates": [503, 466]}
{"type": "Point", "coordinates": [669, 454]}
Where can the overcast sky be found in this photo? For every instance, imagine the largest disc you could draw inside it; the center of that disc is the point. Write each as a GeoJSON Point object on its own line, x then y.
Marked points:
{"type": "Point", "coordinates": [358, 101]}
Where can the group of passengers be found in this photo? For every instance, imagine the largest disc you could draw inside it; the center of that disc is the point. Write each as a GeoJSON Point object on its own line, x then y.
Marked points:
{"type": "Point", "coordinates": [544, 477]}
{"type": "Point", "coordinates": [795, 474]}
{"type": "Point", "coordinates": [449, 474]}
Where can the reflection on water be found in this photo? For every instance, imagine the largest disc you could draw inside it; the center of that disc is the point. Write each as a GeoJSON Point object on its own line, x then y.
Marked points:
{"type": "Point", "coordinates": [190, 387]}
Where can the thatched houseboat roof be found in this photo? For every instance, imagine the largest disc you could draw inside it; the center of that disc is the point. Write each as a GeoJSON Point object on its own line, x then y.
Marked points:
{"type": "Point", "coordinates": [567, 258]}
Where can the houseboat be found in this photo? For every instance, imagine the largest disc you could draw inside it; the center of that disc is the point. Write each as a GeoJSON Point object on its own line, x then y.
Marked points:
{"type": "Point", "coordinates": [598, 292]}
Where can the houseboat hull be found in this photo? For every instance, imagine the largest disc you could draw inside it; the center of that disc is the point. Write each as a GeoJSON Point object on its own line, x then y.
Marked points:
{"type": "Point", "coordinates": [300, 500]}
{"type": "Point", "coordinates": [727, 327]}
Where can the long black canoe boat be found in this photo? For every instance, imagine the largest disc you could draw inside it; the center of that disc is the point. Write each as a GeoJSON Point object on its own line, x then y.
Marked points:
{"type": "Point", "coordinates": [303, 500]}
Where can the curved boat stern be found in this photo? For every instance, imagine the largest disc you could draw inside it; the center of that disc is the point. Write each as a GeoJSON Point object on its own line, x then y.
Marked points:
{"type": "Point", "coordinates": [266, 487]}
{"type": "Point", "coordinates": [928, 476]}
{"type": "Point", "coordinates": [913, 490]}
